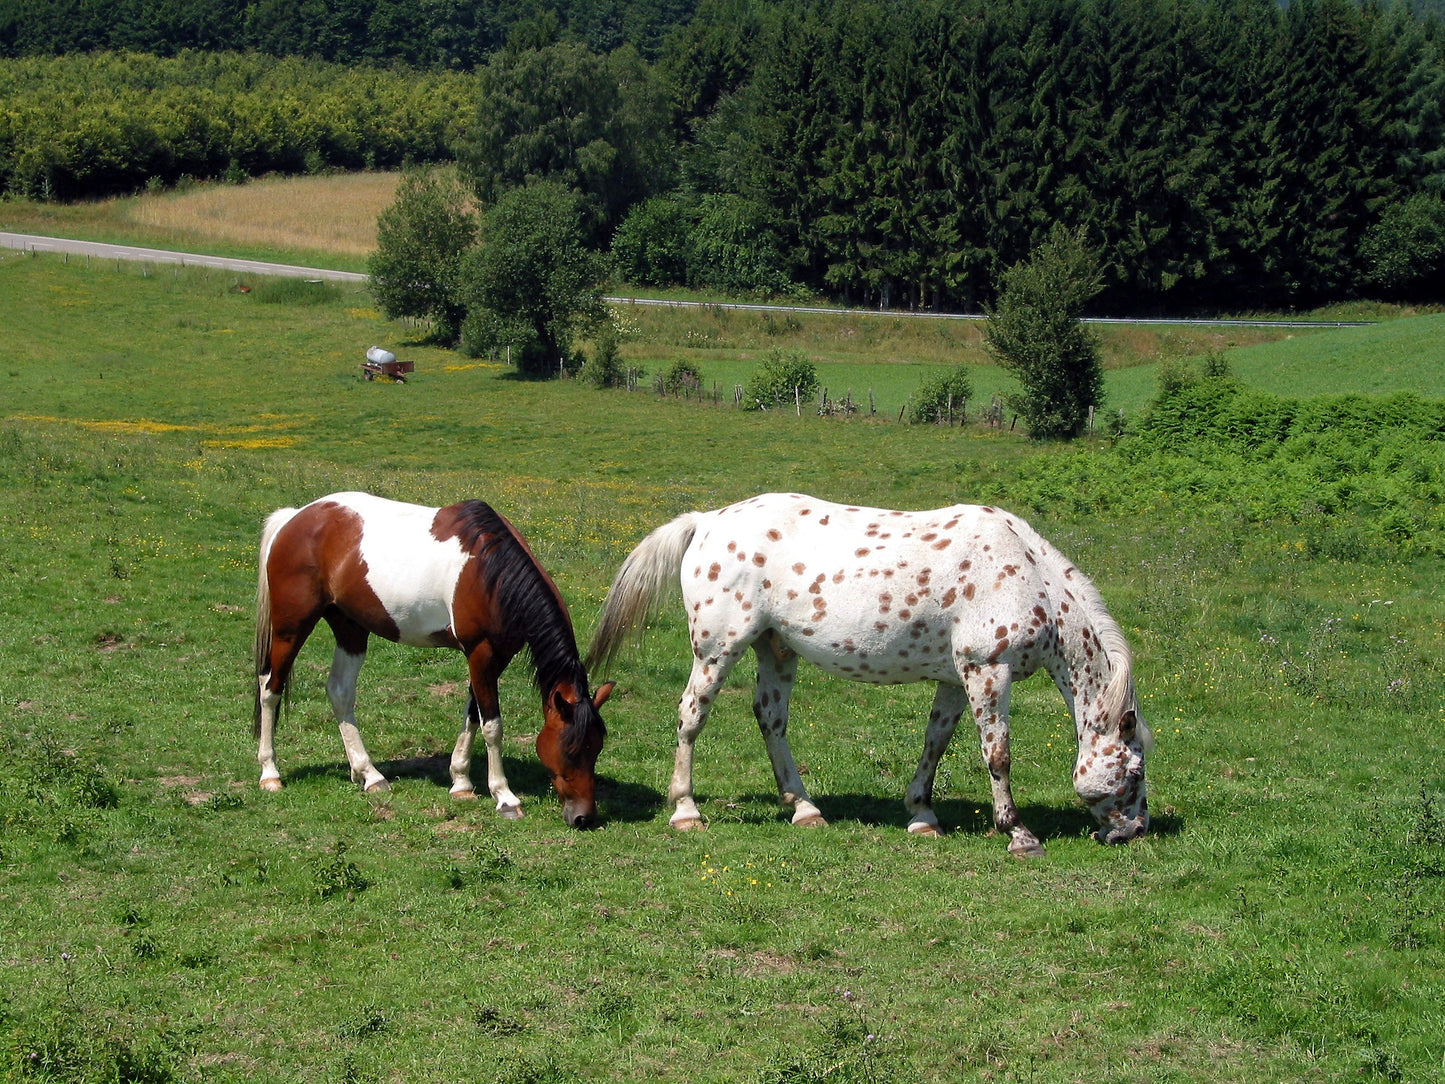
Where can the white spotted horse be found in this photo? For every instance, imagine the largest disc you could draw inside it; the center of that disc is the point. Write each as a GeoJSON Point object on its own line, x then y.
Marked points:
{"type": "Point", "coordinates": [458, 577]}
{"type": "Point", "coordinates": [969, 597]}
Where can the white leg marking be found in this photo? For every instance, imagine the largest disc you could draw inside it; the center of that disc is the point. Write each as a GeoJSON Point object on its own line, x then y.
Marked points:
{"type": "Point", "coordinates": [707, 678]}
{"type": "Point", "coordinates": [461, 766]}
{"type": "Point", "coordinates": [508, 805]}
{"type": "Point", "coordinates": [266, 749]}
{"type": "Point", "coordinates": [988, 693]}
{"type": "Point", "coordinates": [341, 690]}
{"type": "Point", "coordinates": [770, 708]}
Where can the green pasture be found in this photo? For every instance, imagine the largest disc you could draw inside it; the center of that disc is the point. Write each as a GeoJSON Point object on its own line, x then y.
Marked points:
{"type": "Point", "coordinates": [165, 920]}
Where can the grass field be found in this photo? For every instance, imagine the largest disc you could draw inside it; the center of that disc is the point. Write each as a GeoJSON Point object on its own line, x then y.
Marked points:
{"type": "Point", "coordinates": [327, 221]}
{"type": "Point", "coordinates": [165, 920]}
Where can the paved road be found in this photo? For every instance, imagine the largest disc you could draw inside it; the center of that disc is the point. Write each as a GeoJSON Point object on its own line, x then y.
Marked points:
{"type": "Point", "coordinates": [979, 316]}
{"type": "Point", "coordinates": [32, 242]}
{"type": "Point", "coordinates": [36, 243]}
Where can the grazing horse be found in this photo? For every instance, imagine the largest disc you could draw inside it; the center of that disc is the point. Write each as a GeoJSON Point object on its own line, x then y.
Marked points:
{"type": "Point", "coordinates": [459, 577]}
{"type": "Point", "coordinates": [970, 597]}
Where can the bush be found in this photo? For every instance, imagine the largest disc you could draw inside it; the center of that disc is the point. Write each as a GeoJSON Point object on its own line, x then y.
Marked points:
{"type": "Point", "coordinates": [682, 378]}
{"type": "Point", "coordinates": [779, 380]}
{"type": "Point", "coordinates": [1404, 253]}
{"type": "Point", "coordinates": [421, 244]}
{"type": "Point", "coordinates": [532, 285]}
{"type": "Point", "coordinates": [605, 368]}
{"type": "Point", "coordinates": [734, 247]}
{"type": "Point", "coordinates": [941, 398]}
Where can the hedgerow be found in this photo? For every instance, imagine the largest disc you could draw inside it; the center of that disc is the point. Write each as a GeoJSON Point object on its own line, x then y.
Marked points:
{"type": "Point", "coordinates": [1359, 474]}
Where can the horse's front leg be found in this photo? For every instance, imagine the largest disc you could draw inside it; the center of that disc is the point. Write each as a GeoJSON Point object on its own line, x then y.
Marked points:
{"type": "Point", "coordinates": [484, 712]}
{"type": "Point", "coordinates": [341, 691]}
{"type": "Point", "coordinates": [988, 693]}
{"type": "Point", "coordinates": [949, 703]}
{"type": "Point", "coordinates": [777, 669]}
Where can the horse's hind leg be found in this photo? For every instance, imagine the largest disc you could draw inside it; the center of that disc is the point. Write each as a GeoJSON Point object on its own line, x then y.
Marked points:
{"type": "Point", "coordinates": [268, 703]}
{"type": "Point", "coordinates": [341, 691]}
{"type": "Point", "coordinates": [988, 692]}
{"type": "Point", "coordinates": [709, 670]}
{"type": "Point", "coordinates": [777, 667]}
{"type": "Point", "coordinates": [271, 684]}
{"type": "Point", "coordinates": [949, 703]}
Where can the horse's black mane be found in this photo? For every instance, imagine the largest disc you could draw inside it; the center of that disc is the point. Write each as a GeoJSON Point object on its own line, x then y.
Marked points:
{"type": "Point", "coordinates": [526, 596]}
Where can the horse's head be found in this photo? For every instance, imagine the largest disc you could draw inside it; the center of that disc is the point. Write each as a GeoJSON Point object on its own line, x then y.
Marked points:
{"type": "Point", "coordinates": [1109, 772]}
{"type": "Point", "coordinates": [568, 746]}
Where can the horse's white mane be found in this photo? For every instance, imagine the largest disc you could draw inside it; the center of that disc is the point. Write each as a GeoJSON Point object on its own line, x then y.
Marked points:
{"type": "Point", "coordinates": [1119, 695]}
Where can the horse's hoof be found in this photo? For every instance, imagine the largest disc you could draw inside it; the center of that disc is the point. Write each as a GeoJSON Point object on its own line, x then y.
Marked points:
{"type": "Point", "coordinates": [1030, 849]}
{"type": "Point", "coordinates": [381, 786]}
{"type": "Point", "coordinates": [813, 820]}
{"type": "Point", "coordinates": [272, 785]}
{"type": "Point", "coordinates": [687, 824]}
{"type": "Point", "coordinates": [509, 812]}
{"type": "Point", "coordinates": [464, 795]}
{"type": "Point", "coordinates": [928, 831]}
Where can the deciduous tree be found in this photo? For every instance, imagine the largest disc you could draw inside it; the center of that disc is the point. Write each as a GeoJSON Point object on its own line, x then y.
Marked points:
{"type": "Point", "coordinates": [422, 239]}
{"type": "Point", "coordinates": [1035, 331]}
{"type": "Point", "coordinates": [532, 284]}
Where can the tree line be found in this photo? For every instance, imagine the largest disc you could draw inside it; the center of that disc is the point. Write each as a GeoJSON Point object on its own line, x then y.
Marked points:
{"type": "Point", "coordinates": [1218, 152]}
{"type": "Point", "coordinates": [98, 124]}
{"type": "Point", "coordinates": [899, 153]}
{"type": "Point", "coordinates": [452, 34]}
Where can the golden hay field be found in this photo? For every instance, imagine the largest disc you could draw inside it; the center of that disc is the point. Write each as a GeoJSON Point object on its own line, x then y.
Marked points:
{"type": "Point", "coordinates": [335, 213]}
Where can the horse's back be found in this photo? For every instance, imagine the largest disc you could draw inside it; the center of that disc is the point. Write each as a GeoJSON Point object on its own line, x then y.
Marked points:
{"type": "Point", "coordinates": [874, 594]}
{"type": "Point", "coordinates": [377, 560]}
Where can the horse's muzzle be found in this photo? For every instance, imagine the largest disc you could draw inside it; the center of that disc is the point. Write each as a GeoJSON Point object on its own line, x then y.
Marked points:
{"type": "Point", "coordinates": [578, 817]}
{"type": "Point", "coordinates": [1123, 833]}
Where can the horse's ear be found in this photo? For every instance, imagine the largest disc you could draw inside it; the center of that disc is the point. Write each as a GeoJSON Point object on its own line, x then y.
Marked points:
{"type": "Point", "coordinates": [563, 707]}
{"type": "Point", "coordinates": [600, 696]}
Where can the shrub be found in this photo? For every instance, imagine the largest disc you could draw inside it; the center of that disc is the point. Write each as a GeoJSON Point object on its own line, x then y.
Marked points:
{"type": "Point", "coordinates": [532, 285]}
{"type": "Point", "coordinates": [421, 242]}
{"type": "Point", "coordinates": [941, 397]}
{"type": "Point", "coordinates": [605, 369]}
{"type": "Point", "coordinates": [1404, 253]}
{"type": "Point", "coordinates": [734, 247]}
{"type": "Point", "coordinates": [682, 378]}
{"type": "Point", "coordinates": [780, 379]}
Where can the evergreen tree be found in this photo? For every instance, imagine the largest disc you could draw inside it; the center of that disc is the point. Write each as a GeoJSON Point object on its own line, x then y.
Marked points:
{"type": "Point", "coordinates": [1322, 156]}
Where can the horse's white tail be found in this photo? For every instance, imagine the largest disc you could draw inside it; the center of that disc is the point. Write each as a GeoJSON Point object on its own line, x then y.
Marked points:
{"type": "Point", "coordinates": [641, 584]}
{"type": "Point", "coordinates": [274, 522]}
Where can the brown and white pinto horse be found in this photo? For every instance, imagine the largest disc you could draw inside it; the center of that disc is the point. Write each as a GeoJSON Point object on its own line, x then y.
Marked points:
{"type": "Point", "coordinates": [459, 577]}
{"type": "Point", "coordinates": [969, 597]}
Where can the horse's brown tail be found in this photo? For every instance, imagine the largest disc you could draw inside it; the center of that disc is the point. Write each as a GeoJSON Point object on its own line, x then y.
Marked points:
{"type": "Point", "coordinates": [641, 583]}
{"type": "Point", "coordinates": [274, 522]}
